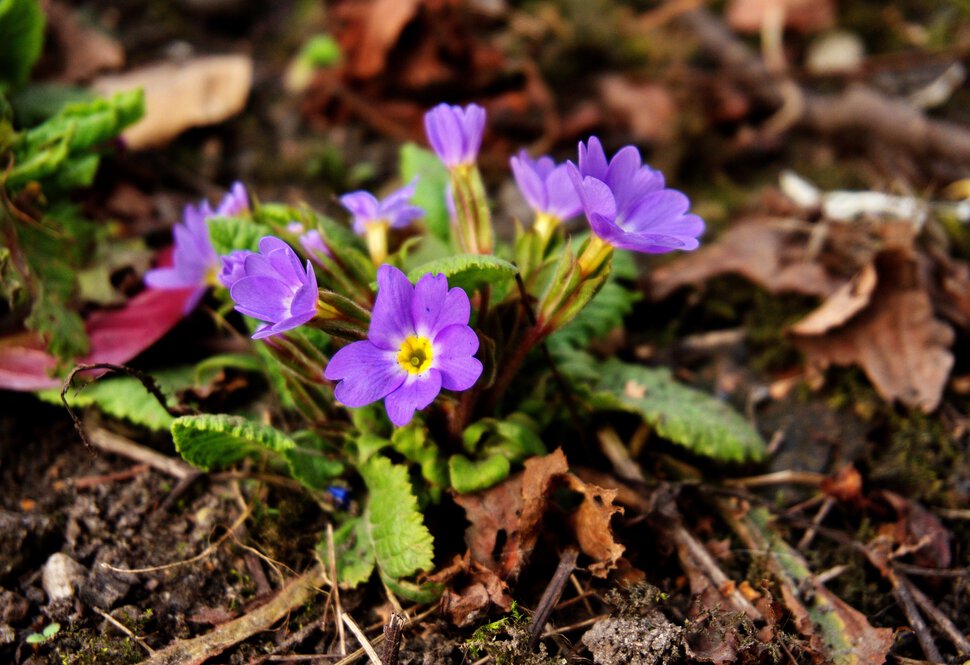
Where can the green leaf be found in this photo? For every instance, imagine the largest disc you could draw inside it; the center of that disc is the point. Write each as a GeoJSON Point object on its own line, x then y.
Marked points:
{"type": "Point", "coordinates": [125, 397]}
{"type": "Point", "coordinates": [429, 194]}
{"type": "Point", "coordinates": [402, 543]}
{"type": "Point", "coordinates": [355, 554]}
{"type": "Point", "coordinates": [217, 441]}
{"type": "Point", "coordinates": [207, 370]}
{"type": "Point", "coordinates": [417, 446]}
{"type": "Point", "coordinates": [39, 101]}
{"type": "Point", "coordinates": [21, 40]}
{"type": "Point", "coordinates": [229, 234]}
{"type": "Point", "coordinates": [309, 463]}
{"type": "Point", "coordinates": [516, 437]}
{"type": "Point", "coordinates": [681, 414]}
{"type": "Point", "coordinates": [467, 271]}
{"type": "Point", "coordinates": [468, 476]}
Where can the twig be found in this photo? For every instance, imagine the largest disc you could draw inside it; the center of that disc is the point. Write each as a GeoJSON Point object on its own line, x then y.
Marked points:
{"type": "Point", "coordinates": [787, 477]}
{"type": "Point", "coordinates": [146, 380]}
{"type": "Point", "coordinates": [816, 521]}
{"type": "Point", "coordinates": [392, 638]}
{"type": "Point", "coordinates": [380, 638]}
{"type": "Point", "coordinates": [362, 639]}
{"type": "Point", "coordinates": [199, 649]}
{"type": "Point", "coordinates": [575, 626]}
{"type": "Point", "coordinates": [338, 610]}
{"type": "Point", "coordinates": [908, 604]}
{"type": "Point", "coordinates": [119, 445]}
{"type": "Point", "coordinates": [550, 597]}
{"type": "Point", "coordinates": [85, 482]}
{"type": "Point", "coordinates": [123, 628]}
{"type": "Point", "coordinates": [942, 621]}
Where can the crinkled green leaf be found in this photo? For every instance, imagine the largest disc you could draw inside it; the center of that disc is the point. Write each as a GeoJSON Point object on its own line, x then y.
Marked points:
{"type": "Point", "coordinates": [429, 194]}
{"type": "Point", "coordinates": [472, 476]}
{"type": "Point", "coordinates": [37, 102]}
{"type": "Point", "coordinates": [21, 40]}
{"type": "Point", "coordinates": [424, 593]}
{"type": "Point", "coordinates": [354, 552]}
{"type": "Point", "coordinates": [217, 441]}
{"type": "Point", "coordinates": [679, 413]}
{"type": "Point", "coordinates": [125, 397]}
{"type": "Point", "coordinates": [402, 543]}
{"type": "Point", "coordinates": [467, 271]}
{"type": "Point", "coordinates": [229, 234]}
{"type": "Point", "coordinates": [312, 467]}
{"type": "Point", "coordinates": [417, 446]}
{"type": "Point", "coordinates": [515, 436]}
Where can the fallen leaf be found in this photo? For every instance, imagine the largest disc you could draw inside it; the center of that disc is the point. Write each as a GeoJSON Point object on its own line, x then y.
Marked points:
{"type": "Point", "coordinates": [513, 511]}
{"type": "Point", "coordinates": [920, 530]}
{"type": "Point", "coordinates": [846, 485]}
{"type": "Point", "coordinates": [385, 22]}
{"type": "Point", "coordinates": [87, 50]}
{"type": "Point", "coordinates": [842, 305]}
{"type": "Point", "coordinates": [178, 96]}
{"type": "Point", "coordinates": [647, 108]}
{"type": "Point", "coordinates": [896, 340]}
{"type": "Point", "coordinates": [805, 16]}
{"type": "Point", "coordinates": [471, 590]}
{"type": "Point", "coordinates": [773, 253]}
{"type": "Point", "coordinates": [591, 522]}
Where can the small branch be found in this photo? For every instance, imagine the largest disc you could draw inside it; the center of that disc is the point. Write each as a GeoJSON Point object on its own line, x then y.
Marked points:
{"type": "Point", "coordinates": [119, 445]}
{"type": "Point", "coordinates": [123, 628]}
{"type": "Point", "coordinates": [392, 638]}
{"type": "Point", "coordinates": [550, 597]}
{"type": "Point", "coordinates": [362, 639]}
{"type": "Point", "coordinates": [943, 622]}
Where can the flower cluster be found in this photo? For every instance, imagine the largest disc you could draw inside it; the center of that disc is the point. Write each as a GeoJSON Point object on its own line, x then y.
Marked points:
{"type": "Point", "coordinates": [417, 339]}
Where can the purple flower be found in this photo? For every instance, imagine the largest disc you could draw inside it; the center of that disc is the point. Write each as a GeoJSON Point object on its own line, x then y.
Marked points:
{"type": "Point", "coordinates": [545, 186]}
{"type": "Point", "coordinates": [235, 202]}
{"type": "Point", "coordinates": [233, 267]}
{"type": "Point", "coordinates": [455, 133]}
{"type": "Point", "coordinates": [628, 205]}
{"type": "Point", "coordinates": [196, 263]}
{"type": "Point", "coordinates": [275, 288]}
{"type": "Point", "coordinates": [195, 260]}
{"type": "Point", "coordinates": [396, 210]}
{"type": "Point", "coordinates": [418, 343]}
{"type": "Point", "coordinates": [311, 241]}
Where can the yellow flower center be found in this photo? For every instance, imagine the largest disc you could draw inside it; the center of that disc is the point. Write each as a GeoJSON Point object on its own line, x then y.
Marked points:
{"type": "Point", "coordinates": [415, 355]}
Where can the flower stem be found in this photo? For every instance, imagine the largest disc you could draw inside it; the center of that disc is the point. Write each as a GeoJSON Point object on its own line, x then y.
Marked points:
{"type": "Point", "coordinates": [474, 227]}
{"type": "Point", "coordinates": [596, 253]}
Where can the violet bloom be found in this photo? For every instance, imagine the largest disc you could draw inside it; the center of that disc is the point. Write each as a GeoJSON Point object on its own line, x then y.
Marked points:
{"type": "Point", "coordinates": [455, 133]}
{"type": "Point", "coordinates": [275, 288]}
{"type": "Point", "coordinates": [546, 187]}
{"type": "Point", "coordinates": [628, 205]}
{"type": "Point", "coordinates": [196, 264]}
{"type": "Point", "coordinates": [396, 210]}
{"type": "Point", "coordinates": [233, 267]}
{"type": "Point", "coordinates": [311, 241]}
{"type": "Point", "coordinates": [195, 261]}
{"type": "Point", "coordinates": [418, 343]}
{"type": "Point", "coordinates": [235, 202]}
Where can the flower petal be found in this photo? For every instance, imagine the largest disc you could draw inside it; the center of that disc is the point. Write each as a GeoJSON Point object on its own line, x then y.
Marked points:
{"type": "Point", "coordinates": [563, 201]}
{"type": "Point", "coordinates": [530, 183]}
{"type": "Point", "coordinates": [455, 341]}
{"type": "Point", "coordinates": [366, 373]}
{"type": "Point", "coordinates": [362, 205]}
{"type": "Point", "coordinates": [592, 159]}
{"type": "Point", "coordinates": [262, 298]}
{"type": "Point", "coordinates": [417, 392]}
{"type": "Point", "coordinates": [459, 373]}
{"type": "Point", "coordinates": [168, 278]}
{"type": "Point", "coordinates": [444, 130]}
{"type": "Point", "coordinates": [391, 320]}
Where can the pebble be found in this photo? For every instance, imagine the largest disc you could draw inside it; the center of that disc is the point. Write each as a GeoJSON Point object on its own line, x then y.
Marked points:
{"type": "Point", "coordinates": [62, 576]}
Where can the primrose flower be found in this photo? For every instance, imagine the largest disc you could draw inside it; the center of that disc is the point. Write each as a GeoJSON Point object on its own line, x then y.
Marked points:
{"type": "Point", "coordinates": [233, 267]}
{"type": "Point", "coordinates": [455, 133]}
{"type": "Point", "coordinates": [628, 205]}
{"type": "Point", "coordinates": [196, 264]}
{"type": "Point", "coordinates": [395, 211]}
{"type": "Point", "coordinates": [275, 288]}
{"type": "Point", "coordinates": [311, 241]}
{"type": "Point", "coordinates": [195, 260]}
{"type": "Point", "coordinates": [546, 187]}
{"type": "Point", "coordinates": [418, 343]}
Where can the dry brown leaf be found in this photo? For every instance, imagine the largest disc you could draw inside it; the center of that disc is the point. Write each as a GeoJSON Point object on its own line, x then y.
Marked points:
{"type": "Point", "coordinates": [773, 253]}
{"type": "Point", "coordinates": [646, 108]}
{"type": "Point", "coordinates": [471, 590]}
{"type": "Point", "coordinates": [86, 49]}
{"type": "Point", "coordinates": [200, 91]}
{"type": "Point", "coordinates": [897, 342]}
{"type": "Point", "coordinates": [920, 530]}
{"type": "Point", "coordinates": [805, 16]}
{"type": "Point", "coordinates": [385, 22]}
{"type": "Point", "coordinates": [516, 508]}
{"type": "Point", "coordinates": [846, 486]}
{"type": "Point", "coordinates": [591, 522]}
{"type": "Point", "coordinates": [842, 305]}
